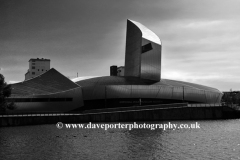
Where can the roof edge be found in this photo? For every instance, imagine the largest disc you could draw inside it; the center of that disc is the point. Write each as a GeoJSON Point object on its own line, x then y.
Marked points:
{"type": "Point", "coordinates": [147, 33]}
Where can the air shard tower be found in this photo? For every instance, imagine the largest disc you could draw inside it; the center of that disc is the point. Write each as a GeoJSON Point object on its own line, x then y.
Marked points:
{"type": "Point", "coordinates": [143, 52]}
{"type": "Point", "coordinates": [141, 84]}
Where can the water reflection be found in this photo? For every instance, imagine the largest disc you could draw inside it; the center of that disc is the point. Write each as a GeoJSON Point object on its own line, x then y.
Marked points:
{"type": "Point", "coordinates": [214, 140]}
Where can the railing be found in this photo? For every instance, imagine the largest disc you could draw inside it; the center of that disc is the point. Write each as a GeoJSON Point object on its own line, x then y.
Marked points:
{"type": "Point", "coordinates": [137, 108]}
{"type": "Point", "coordinates": [205, 105]}
{"type": "Point", "coordinates": [40, 114]}
{"type": "Point", "coordinates": [108, 110]}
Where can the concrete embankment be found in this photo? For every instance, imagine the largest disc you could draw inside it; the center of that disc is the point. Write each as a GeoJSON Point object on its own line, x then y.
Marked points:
{"type": "Point", "coordinates": [113, 115]}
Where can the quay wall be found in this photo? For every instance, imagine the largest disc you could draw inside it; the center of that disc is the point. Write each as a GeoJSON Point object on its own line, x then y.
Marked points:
{"type": "Point", "coordinates": [156, 114]}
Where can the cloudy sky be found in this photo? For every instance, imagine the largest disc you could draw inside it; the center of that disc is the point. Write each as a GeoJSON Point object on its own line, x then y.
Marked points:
{"type": "Point", "coordinates": [201, 39]}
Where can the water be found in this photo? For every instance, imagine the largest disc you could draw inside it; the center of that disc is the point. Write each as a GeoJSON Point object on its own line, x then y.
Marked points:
{"type": "Point", "coordinates": [218, 139]}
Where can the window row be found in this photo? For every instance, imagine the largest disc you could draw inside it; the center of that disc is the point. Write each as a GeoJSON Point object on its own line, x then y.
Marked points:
{"type": "Point", "coordinates": [38, 69]}
{"type": "Point", "coordinates": [39, 99]}
{"type": "Point", "coordinates": [33, 73]}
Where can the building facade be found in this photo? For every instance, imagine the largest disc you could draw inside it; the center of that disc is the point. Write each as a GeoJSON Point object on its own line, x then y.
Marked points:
{"type": "Point", "coordinates": [120, 71]}
{"type": "Point", "coordinates": [141, 84]}
{"type": "Point", "coordinates": [113, 71]}
{"type": "Point", "coordinates": [48, 92]}
{"type": "Point", "coordinates": [36, 67]}
{"type": "Point", "coordinates": [143, 52]}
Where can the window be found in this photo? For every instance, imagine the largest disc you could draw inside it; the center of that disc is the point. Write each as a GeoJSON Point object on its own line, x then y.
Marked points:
{"type": "Point", "coordinates": [56, 99]}
{"type": "Point", "coordinates": [42, 69]}
{"type": "Point", "coordinates": [146, 48]}
{"type": "Point", "coordinates": [33, 73]}
{"type": "Point", "coordinates": [69, 99]}
{"type": "Point", "coordinates": [38, 69]}
{"type": "Point", "coordinates": [40, 99]}
{"type": "Point", "coordinates": [33, 67]}
{"type": "Point", "coordinates": [33, 63]}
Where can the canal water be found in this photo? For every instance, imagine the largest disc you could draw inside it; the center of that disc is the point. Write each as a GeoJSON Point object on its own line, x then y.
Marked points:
{"type": "Point", "coordinates": [218, 139]}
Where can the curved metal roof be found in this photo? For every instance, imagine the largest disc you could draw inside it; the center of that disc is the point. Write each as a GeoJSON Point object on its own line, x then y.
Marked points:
{"type": "Point", "coordinates": [83, 78]}
{"type": "Point", "coordinates": [115, 80]}
{"type": "Point", "coordinates": [47, 83]}
{"type": "Point", "coordinates": [147, 33]}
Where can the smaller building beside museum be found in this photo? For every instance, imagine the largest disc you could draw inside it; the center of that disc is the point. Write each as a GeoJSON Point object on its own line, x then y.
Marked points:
{"type": "Point", "coordinates": [36, 67]}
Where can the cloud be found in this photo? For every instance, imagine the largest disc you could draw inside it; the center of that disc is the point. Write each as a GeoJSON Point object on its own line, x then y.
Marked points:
{"type": "Point", "coordinates": [200, 38]}
{"type": "Point", "coordinates": [201, 51]}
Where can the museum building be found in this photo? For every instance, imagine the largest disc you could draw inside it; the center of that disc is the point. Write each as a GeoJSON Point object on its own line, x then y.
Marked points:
{"type": "Point", "coordinates": [141, 84]}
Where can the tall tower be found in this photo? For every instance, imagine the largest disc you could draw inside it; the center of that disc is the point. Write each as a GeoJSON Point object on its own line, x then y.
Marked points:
{"type": "Point", "coordinates": [37, 67]}
{"type": "Point", "coordinates": [143, 52]}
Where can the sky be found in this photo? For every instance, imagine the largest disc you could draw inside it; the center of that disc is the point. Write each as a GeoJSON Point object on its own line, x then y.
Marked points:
{"type": "Point", "coordinates": [200, 39]}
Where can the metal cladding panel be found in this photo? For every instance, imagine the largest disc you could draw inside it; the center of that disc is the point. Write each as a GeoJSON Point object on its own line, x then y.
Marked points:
{"type": "Point", "coordinates": [87, 93]}
{"type": "Point", "coordinates": [151, 62]}
{"type": "Point", "coordinates": [114, 80]}
{"type": "Point", "coordinates": [147, 33]}
{"type": "Point", "coordinates": [145, 87]}
{"type": "Point", "coordinates": [188, 85]}
{"type": "Point", "coordinates": [118, 91]}
{"type": "Point", "coordinates": [48, 106]}
{"type": "Point", "coordinates": [145, 64]}
{"type": "Point", "coordinates": [140, 91]}
{"type": "Point", "coordinates": [177, 93]}
{"type": "Point", "coordinates": [94, 92]}
{"type": "Point", "coordinates": [219, 99]}
{"type": "Point", "coordinates": [86, 83]}
{"type": "Point", "coordinates": [99, 92]}
{"type": "Point", "coordinates": [133, 50]}
{"type": "Point", "coordinates": [194, 95]}
{"type": "Point", "coordinates": [213, 97]}
{"type": "Point", "coordinates": [49, 82]}
{"type": "Point", "coordinates": [131, 91]}
{"type": "Point", "coordinates": [165, 93]}
{"type": "Point", "coordinates": [132, 87]}
{"type": "Point", "coordinates": [209, 97]}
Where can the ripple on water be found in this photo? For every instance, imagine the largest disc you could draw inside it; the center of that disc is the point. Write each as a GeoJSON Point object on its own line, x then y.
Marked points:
{"type": "Point", "coordinates": [214, 140]}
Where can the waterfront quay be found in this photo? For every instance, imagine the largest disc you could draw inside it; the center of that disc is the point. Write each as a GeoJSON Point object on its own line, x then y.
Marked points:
{"type": "Point", "coordinates": [180, 111]}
